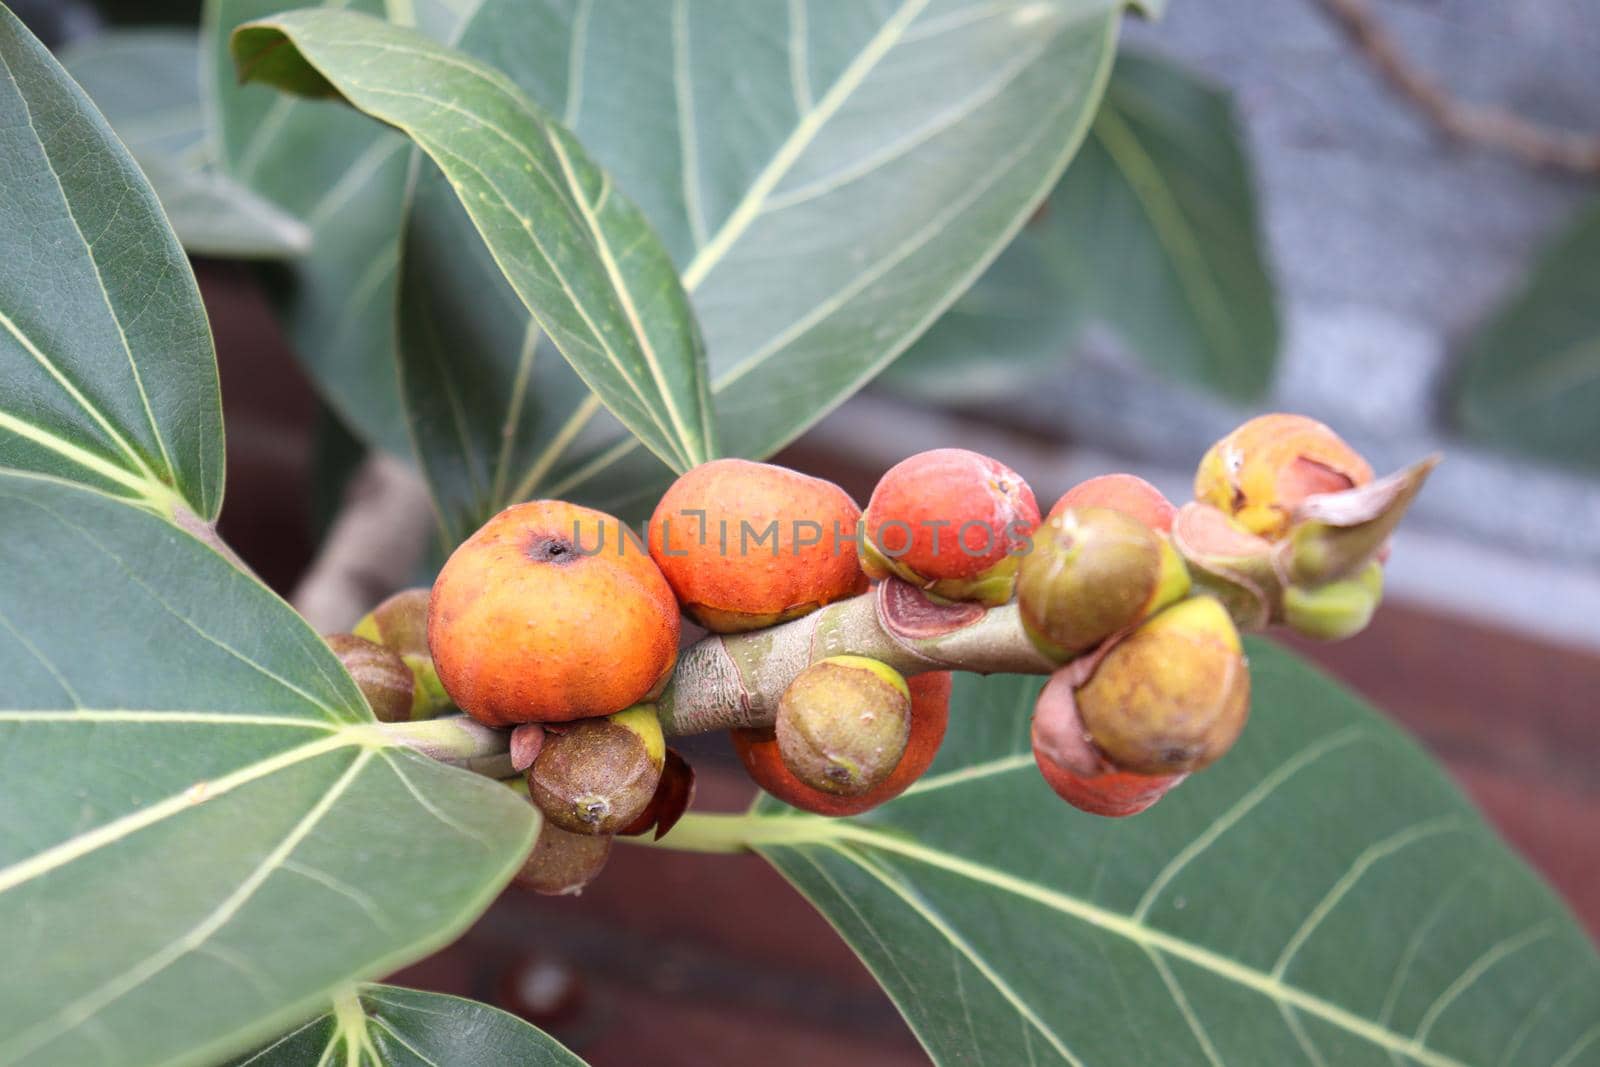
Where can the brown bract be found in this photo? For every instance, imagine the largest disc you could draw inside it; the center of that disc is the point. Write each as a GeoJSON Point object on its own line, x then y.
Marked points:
{"type": "Point", "coordinates": [951, 521]}
{"type": "Point", "coordinates": [746, 545]}
{"type": "Point", "coordinates": [548, 613]}
{"type": "Point", "coordinates": [930, 715]}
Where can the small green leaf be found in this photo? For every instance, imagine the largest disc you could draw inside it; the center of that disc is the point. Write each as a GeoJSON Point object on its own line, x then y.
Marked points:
{"type": "Point", "coordinates": [1530, 380]}
{"type": "Point", "coordinates": [1322, 895]}
{"type": "Point", "coordinates": [386, 1026]}
{"type": "Point", "coordinates": [1154, 231]}
{"type": "Point", "coordinates": [107, 373]}
{"type": "Point", "coordinates": [579, 254]}
{"type": "Point", "coordinates": [147, 84]}
{"type": "Point", "coordinates": [203, 832]}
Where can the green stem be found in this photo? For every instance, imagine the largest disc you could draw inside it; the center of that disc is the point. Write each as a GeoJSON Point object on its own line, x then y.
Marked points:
{"type": "Point", "coordinates": [726, 834]}
{"type": "Point", "coordinates": [456, 740]}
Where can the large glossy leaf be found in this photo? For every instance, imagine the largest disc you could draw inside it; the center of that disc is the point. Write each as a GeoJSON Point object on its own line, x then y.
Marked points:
{"type": "Point", "coordinates": [1530, 380]}
{"type": "Point", "coordinates": [579, 254]}
{"type": "Point", "coordinates": [386, 1026]}
{"type": "Point", "coordinates": [1153, 231]}
{"type": "Point", "coordinates": [202, 830]}
{"type": "Point", "coordinates": [147, 84]}
{"type": "Point", "coordinates": [346, 177]}
{"type": "Point", "coordinates": [827, 175]}
{"type": "Point", "coordinates": [107, 374]}
{"type": "Point", "coordinates": [1323, 895]}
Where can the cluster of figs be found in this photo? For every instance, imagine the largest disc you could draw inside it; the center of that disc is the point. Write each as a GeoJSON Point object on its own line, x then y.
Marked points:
{"type": "Point", "coordinates": [557, 623]}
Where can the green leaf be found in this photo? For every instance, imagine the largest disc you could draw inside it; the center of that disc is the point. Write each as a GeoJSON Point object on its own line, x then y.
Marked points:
{"type": "Point", "coordinates": [579, 254]}
{"type": "Point", "coordinates": [1153, 231]}
{"type": "Point", "coordinates": [147, 84]}
{"type": "Point", "coordinates": [1530, 380]}
{"type": "Point", "coordinates": [872, 161]}
{"type": "Point", "coordinates": [347, 178]}
{"type": "Point", "coordinates": [203, 832]}
{"type": "Point", "coordinates": [107, 373]}
{"type": "Point", "coordinates": [386, 1026]}
{"type": "Point", "coordinates": [1322, 895]}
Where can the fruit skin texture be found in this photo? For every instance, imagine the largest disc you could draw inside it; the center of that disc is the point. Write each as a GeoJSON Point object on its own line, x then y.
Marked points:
{"type": "Point", "coordinates": [400, 623]}
{"type": "Point", "coordinates": [930, 715]}
{"type": "Point", "coordinates": [1091, 573]}
{"type": "Point", "coordinates": [599, 775]}
{"type": "Point", "coordinates": [379, 673]}
{"type": "Point", "coordinates": [1115, 794]}
{"type": "Point", "coordinates": [1261, 472]}
{"type": "Point", "coordinates": [562, 863]}
{"type": "Point", "coordinates": [1127, 493]}
{"type": "Point", "coordinates": [952, 522]}
{"type": "Point", "coordinates": [1173, 695]}
{"type": "Point", "coordinates": [758, 580]}
{"type": "Point", "coordinates": [551, 612]}
{"type": "Point", "coordinates": [843, 724]}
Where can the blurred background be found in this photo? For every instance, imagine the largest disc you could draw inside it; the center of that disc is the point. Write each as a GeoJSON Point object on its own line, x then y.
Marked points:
{"type": "Point", "coordinates": [1385, 214]}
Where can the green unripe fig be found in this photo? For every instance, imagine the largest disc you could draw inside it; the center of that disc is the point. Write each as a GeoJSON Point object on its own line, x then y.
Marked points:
{"type": "Point", "coordinates": [400, 624]}
{"type": "Point", "coordinates": [596, 776]}
{"type": "Point", "coordinates": [1172, 696]}
{"type": "Point", "coordinates": [843, 724]}
{"type": "Point", "coordinates": [1337, 610]}
{"type": "Point", "coordinates": [379, 673]}
{"type": "Point", "coordinates": [1093, 572]}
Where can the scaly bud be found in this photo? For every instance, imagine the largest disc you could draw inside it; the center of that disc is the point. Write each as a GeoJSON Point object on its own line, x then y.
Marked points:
{"type": "Point", "coordinates": [1229, 562]}
{"type": "Point", "coordinates": [596, 776]}
{"type": "Point", "coordinates": [400, 624]}
{"type": "Point", "coordinates": [843, 724]}
{"type": "Point", "coordinates": [1261, 472]}
{"type": "Point", "coordinates": [1337, 610]}
{"type": "Point", "coordinates": [1092, 572]}
{"type": "Point", "coordinates": [1335, 535]}
{"type": "Point", "coordinates": [1173, 695]}
{"type": "Point", "coordinates": [380, 675]}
